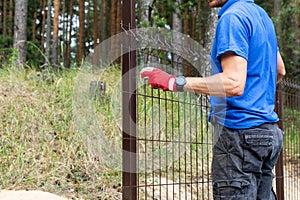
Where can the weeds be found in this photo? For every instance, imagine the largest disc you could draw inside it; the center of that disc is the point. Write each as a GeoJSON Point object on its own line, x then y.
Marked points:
{"type": "Point", "coordinates": [41, 148]}
{"type": "Point", "coordinates": [39, 145]}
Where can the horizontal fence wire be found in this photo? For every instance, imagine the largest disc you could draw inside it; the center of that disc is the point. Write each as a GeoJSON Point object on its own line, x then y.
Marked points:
{"type": "Point", "coordinates": [174, 137]}
{"type": "Point", "coordinates": [291, 150]}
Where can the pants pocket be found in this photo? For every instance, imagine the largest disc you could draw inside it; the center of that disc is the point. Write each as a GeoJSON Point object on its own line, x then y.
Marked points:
{"type": "Point", "coordinates": [231, 189]}
{"type": "Point", "coordinates": [257, 145]}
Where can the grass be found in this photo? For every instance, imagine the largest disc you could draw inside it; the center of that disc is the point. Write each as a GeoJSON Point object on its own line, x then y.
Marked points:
{"type": "Point", "coordinates": [43, 146]}
{"type": "Point", "coordinates": [40, 147]}
{"type": "Point", "coordinates": [50, 140]}
{"type": "Point", "coordinates": [292, 126]}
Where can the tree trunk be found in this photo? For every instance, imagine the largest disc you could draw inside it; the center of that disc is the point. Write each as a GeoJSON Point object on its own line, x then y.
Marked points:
{"type": "Point", "coordinates": [103, 30]}
{"type": "Point", "coordinates": [177, 23]}
{"type": "Point", "coordinates": [20, 25]}
{"type": "Point", "coordinates": [11, 18]}
{"type": "Point", "coordinates": [193, 24]}
{"type": "Point", "coordinates": [61, 55]}
{"type": "Point", "coordinates": [4, 17]}
{"type": "Point", "coordinates": [186, 22]}
{"type": "Point", "coordinates": [297, 17]}
{"type": "Point", "coordinates": [113, 26]}
{"type": "Point", "coordinates": [48, 33]}
{"type": "Point", "coordinates": [211, 24]}
{"type": "Point", "coordinates": [34, 26]}
{"type": "Point", "coordinates": [80, 51]}
{"type": "Point", "coordinates": [113, 12]}
{"type": "Point", "coordinates": [68, 45]}
{"type": "Point", "coordinates": [199, 35]}
{"type": "Point", "coordinates": [42, 47]}
{"type": "Point", "coordinates": [188, 71]}
{"type": "Point", "coordinates": [203, 11]}
{"type": "Point", "coordinates": [119, 16]}
{"type": "Point", "coordinates": [1, 28]}
{"type": "Point", "coordinates": [277, 7]}
{"type": "Point", "coordinates": [55, 32]}
{"type": "Point", "coordinates": [145, 18]}
{"type": "Point", "coordinates": [118, 30]}
{"type": "Point", "coordinates": [87, 25]}
{"type": "Point", "coordinates": [95, 29]}
{"type": "Point", "coordinates": [177, 26]}
{"type": "Point", "coordinates": [145, 10]}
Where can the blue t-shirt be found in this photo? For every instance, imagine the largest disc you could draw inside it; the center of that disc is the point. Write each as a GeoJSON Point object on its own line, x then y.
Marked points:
{"type": "Point", "coordinates": [246, 29]}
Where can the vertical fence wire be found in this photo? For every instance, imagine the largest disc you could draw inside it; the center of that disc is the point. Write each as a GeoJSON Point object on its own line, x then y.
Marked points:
{"type": "Point", "coordinates": [174, 145]}
{"type": "Point", "coordinates": [174, 142]}
{"type": "Point", "coordinates": [170, 138]}
{"type": "Point", "coordinates": [291, 151]}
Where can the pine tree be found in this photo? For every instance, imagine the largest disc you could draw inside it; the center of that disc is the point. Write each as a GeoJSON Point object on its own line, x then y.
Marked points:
{"type": "Point", "coordinates": [20, 26]}
{"type": "Point", "coordinates": [55, 32]}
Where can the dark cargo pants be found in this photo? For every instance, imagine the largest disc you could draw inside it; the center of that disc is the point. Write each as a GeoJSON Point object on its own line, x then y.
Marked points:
{"type": "Point", "coordinates": [243, 161]}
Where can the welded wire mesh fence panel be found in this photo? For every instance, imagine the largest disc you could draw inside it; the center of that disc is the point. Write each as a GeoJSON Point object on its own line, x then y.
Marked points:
{"type": "Point", "coordinates": [291, 151]}
{"type": "Point", "coordinates": [174, 139]}
{"type": "Point", "coordinates": [170, 150]}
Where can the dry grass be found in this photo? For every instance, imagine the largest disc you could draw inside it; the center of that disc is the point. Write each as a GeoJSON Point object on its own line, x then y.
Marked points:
{"type": "Point", "coordinates": [39, 145]}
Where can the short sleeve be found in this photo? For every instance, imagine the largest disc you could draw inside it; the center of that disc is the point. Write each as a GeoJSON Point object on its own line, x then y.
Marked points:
{"type": "Point", "coordinates": [232, 34]}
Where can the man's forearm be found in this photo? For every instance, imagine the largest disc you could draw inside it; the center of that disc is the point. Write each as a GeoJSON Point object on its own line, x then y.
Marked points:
{"type": "Point", "coordinates": [217, 85]}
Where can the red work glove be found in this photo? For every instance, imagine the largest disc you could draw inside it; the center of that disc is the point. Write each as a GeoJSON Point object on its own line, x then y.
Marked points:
{"type": "Point", "coordinates": [159, 79]}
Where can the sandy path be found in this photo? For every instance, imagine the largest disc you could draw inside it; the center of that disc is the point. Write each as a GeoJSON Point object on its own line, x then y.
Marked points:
{"type": "Point", "coordinates": [28, 195]}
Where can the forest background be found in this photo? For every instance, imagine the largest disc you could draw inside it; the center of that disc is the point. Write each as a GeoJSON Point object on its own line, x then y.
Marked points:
{"type": "Point", "coordinates": [72, 29]}
{"type": "Point", "coordinates": [40, 147]}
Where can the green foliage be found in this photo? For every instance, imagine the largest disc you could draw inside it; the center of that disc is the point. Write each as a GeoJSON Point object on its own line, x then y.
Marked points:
{"type": "Point", "coordinates": [161, 16]}
{"type": "Point", "coordinates": [144, 24]}
{"type": "Point", "coordinates": [288, 33]}
{"type": "Point", "coordinates": [267, 5]}
{"type": "Point", "coordinates": [5, 55]}
{"type": "Point", "coordinates": [34, 56]}
{"type": "Point", "coordinates": [6, 41]}
{"type": "Point", "coordinates": [290, 38]}
{"type": "Point", "coordinates": [160, 21]}
{"type": "Point", "coordinates": [187, 4]}
{"type": "Point", "coordinates": [6, 52]}
{"type": "Point", "coordinates": [162, 13]}
{"type": "Point", "coordinates": [8, 57]}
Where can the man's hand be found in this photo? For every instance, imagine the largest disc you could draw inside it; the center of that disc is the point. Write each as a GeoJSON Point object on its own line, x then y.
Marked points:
{"type": "Point", "coordinates": [159, 79]}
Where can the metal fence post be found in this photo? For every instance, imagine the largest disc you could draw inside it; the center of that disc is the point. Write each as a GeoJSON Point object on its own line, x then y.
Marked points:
{"type": "Point", "coordinates": [129, 175]}
{"type": "Point", "coordinates": [279, 166]}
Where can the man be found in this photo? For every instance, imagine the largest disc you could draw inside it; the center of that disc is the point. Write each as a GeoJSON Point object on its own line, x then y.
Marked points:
{"type": "Point", "coordinates": [246, 65]}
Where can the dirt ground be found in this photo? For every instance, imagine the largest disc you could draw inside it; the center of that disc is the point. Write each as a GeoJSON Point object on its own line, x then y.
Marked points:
{"type": "Point", "coordinates": [28, 195]}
